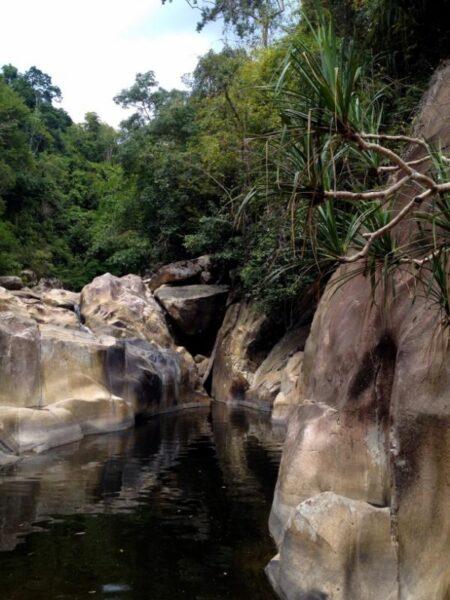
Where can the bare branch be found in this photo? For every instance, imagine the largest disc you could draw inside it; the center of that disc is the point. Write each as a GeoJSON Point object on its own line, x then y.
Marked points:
{"type": "Point", "coordinates": [372, 236]}
{"type": "Point", "coordinates": [372, 195]}
{"type": "Point", "coordinates": [396, 159]}
{"type": "Point", "coordinates": [395, 138]}
{"type": "Point", "coordinates": [411, 163]}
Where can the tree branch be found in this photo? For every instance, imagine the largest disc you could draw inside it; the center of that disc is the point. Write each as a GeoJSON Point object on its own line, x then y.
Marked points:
{"type": "Point", "coordinates": [372, 236]}
{"type": "Point", "coordinates": [372, 195]}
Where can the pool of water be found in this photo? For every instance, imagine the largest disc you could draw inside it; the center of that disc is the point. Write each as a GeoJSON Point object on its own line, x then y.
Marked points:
{"type": "Point", "coordinates": [176, 508]}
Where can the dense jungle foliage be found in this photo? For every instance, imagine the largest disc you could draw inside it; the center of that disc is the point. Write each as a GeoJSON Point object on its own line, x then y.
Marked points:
{"type": "Point", "coordinates": [211, 169]}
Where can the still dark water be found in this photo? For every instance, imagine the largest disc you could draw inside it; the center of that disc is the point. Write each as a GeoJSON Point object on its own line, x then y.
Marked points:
{"type": "Point", "coordinates": [176, 508]}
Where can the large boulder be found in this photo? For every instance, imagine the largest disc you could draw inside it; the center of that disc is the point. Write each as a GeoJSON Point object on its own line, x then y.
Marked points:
{"type": "Point", "coordinates": [374, 430]}
{"type": "Point", "coordinates": [195, 270]}
{"type": "Point", "coordinates": [20, 383]}
{"type": "Point", "coordinates": [276, 368]}
{"type": "Point", "coordinates": [11, 282]}
{"type": "Point", "coordinates": [254, 359]}
{"type": "Point", "coordinates": [59, 380]}
{"type": "Point", "coordinates": [347, 552]}
{"type": "Point", "coordinates": [124, 308]}
{"type": "Point", "coordinates": [196, 309]}
{"type": "Point", "coordinates": [243, 342]}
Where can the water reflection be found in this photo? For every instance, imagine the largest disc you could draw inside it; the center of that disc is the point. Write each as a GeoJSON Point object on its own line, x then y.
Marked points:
{"type": "Point", "coordinates": [176, 508]}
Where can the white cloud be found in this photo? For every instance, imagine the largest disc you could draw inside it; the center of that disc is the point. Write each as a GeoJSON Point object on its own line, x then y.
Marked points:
{"type": "Point", "coordinates": [93, 48]}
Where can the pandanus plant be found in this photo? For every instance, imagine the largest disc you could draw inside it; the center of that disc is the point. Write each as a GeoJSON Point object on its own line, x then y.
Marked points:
{"type": "Point", "coordinates": [332, 139]}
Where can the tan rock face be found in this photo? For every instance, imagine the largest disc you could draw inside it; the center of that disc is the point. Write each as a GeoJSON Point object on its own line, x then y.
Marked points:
{"type": "Point", "coordinates": [240, 349]}
{"type": "Point", "coordinates": [278, 369]}
{"type": "Point", "coordinates": [368, 451]}
{"type": "Point", "coordinates": [291, 389]}
{"type": "Point", "coordinates": [375, 429]}
{"type": "Point", "coordinates": [346, 552]}
{"type": "Point", "coordinates": [20, 360]}
{"type": "Point", "coordinates": [251, 367]}
{"type": "Point", "coordinates": [196, 270]}
{"type": "Point", "coordinates": [51, 307]}
{"type": "Point", "coordinates": [122, 307]}
{"type": "Point", "coordinates": [196, 309]}
{"type": "Point", "coordinates": [60, 380]}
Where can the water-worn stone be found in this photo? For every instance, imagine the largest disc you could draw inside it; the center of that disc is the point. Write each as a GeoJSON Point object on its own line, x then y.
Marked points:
{"type": "Point", "coordinates": [196, 309]}
{"type": "Point", "coordinates": [373, 429]}
{"type": "Point", "coordinates": [195, 270]}
{"type": "Point", "coordinates": [61, 298]}
{"type": "Point", "coordinates": [251, 357]}
{"type": "Point", "coordinates": [60, 381]}
{"type": "Point", "coordinates": [291, 391]}
{"type": "Point", "coordinates": [11, 282]}
{"type": "Point", "coordinates": [267, 380]}
{"type": "Point", "coordinates": [244, 340]}
{"type": "Point", "coordinates": [123, 307]}
{"type": "Point", "coordinates": [19, 360]}
{"type": "Point", "coordinates": [347, 552]}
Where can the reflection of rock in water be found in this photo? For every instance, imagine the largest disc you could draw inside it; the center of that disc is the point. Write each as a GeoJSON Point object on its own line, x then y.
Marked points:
{"type": "Point", "coordinates": [238, 436]}
{"type": "Point", "coordinates": [119, 472]}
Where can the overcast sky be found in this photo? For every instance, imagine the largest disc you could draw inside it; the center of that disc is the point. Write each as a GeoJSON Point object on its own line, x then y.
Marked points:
{"type": "Point", "coordinates": [93, 48]}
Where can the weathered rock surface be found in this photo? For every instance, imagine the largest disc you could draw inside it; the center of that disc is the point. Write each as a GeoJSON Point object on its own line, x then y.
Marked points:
{"type": "Point", "coordinates": [240, 348]}
{"type": "Point", "coordinates": [196, 309]}
{"type": "Point", "coordinates": [291, 391]}
{"type": "Point", "coordinates": [19, 358]}
{"type": "Point", "coordinates": [60, 380]}
{"type": "Point", "coordinates": [196, 270]}
{"type": "Point", "coordinates": [48, 283]}
{"type": "Point", "coordinates": [368, 450]}
{"type": "Point", "coordinates": [253, 361]}
{"type": "Point", "coordinates": [11, 282]}
{"type": "Point", "coordinates": [123, 307]}
{"type": "Point", "coordinates": [277, 369]}
{"type": "Point", "coordinates": [347, 552]}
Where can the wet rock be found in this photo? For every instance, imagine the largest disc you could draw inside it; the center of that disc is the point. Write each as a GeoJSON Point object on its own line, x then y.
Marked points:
{"type": "Point", "coordinates": [196, 309]}
{"type": "Point", "coordinates": [202, 363]}
{"type": "Point", "coordinates": [252, 357]}
{"type": "Point", "coordinates": [196, 270]}
{"type": "Point", "coordinates": [72, 364]}
{"type": "Point", "coordinates": [60, 381]}
{"type": "Point", "coordinates": [25, 429]}
{"type": "Point", "coordinates": [11, 282]}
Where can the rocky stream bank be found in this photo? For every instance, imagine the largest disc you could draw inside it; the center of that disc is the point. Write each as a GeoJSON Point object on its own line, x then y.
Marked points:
{"type": "Point", "coordinates": [361, 508]}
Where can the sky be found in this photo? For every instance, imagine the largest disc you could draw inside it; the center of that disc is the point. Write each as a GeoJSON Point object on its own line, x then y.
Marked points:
{"type": "Point", "coordinates": [93, 48]}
